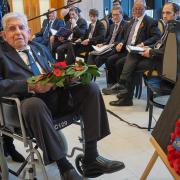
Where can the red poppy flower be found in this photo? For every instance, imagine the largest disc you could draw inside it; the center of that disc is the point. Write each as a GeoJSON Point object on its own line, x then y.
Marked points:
{"type": "Point", "coordinates": [57, 72]}
{"type": "Point", "coordinates": [60, 64]}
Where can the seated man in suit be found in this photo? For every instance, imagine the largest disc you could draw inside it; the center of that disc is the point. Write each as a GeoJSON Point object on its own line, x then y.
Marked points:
{"type": "Point", "coordinates": [54, 23]}
{"type": "Point", "coordinates": [8, 146]}
{"type": "Point", "coordinates": [41, 102]}
{"type": "Point", "coordinates": [151, 58]}
{"type": "Point", "coordinates": [142, 30]}
{"type": "Point", "coordinates": [65, 12]}
{"type": "Point", "coordinates": [63, 46]}
{"type": "Point", "coordinates": [115, 37]}
{"type": "Point", "coordinates": [94, 35]}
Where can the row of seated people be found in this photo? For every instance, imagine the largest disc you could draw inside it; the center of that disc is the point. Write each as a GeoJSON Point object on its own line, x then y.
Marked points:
{"type": "Point", "coordinates": [147, 35]}
{"type": "Point", "coordinates": [141, 31]}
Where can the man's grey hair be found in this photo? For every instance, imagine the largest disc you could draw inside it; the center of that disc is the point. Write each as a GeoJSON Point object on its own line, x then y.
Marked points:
{"type": "Point", "coordinates": [141, 2]}
{"type": "Point", "coordinates": [118, 8]}
{"type": "Point", "coordinates": [14, 15]}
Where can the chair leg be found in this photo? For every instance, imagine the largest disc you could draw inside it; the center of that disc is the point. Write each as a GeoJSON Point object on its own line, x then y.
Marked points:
{"type": "Point", "coordinates": [149, 96]}
{"type": "Point", "coordinates": [106, 71]}
{"type": "Point", "coordinates": [140, 88]}
{"type": "Point", "coordinates": [150, 115]}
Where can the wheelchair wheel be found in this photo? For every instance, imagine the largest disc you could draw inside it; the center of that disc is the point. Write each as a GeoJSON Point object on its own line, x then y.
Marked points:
{"type": "Point", "coordinates": [79, 162]}
{"type": "Point", "coordinates": [63, 141]}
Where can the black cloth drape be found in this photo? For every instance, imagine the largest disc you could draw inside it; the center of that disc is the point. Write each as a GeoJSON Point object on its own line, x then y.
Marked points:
{"type": "Point", "coordinates": [166, 123]}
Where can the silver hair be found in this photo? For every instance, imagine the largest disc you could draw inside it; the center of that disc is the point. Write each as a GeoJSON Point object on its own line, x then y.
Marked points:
{"type": "Point", "coordinates": [118, 8]}
{"type": "Point", "coordinates": [14, 15]}
{"type": "Point", "coordinates": [141, 1]}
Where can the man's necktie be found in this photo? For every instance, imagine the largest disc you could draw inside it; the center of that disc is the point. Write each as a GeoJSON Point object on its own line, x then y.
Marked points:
{"type": "Point", "coordinates": [114, 34]}
{"type": "Point", "coordinates": [32, 63]}
{"type": "Point", "coordinates": [91, 31]}
{"type": "Point", "coordinates": [47, 29]}
{"type": "Point", "coordinates": [132, 32]}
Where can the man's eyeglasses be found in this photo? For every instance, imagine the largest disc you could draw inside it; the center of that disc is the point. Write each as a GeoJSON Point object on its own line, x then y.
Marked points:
{"type": "Point", "coordinates": [116, 14]}
{"type": "Point", "coordinates": [138, 9]}
{"type": "Point", "coordinates": [13, 28]}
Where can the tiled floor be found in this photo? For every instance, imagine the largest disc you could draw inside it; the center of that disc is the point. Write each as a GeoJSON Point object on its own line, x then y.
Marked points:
{"type": "Point", "coordinates": [128, 144]}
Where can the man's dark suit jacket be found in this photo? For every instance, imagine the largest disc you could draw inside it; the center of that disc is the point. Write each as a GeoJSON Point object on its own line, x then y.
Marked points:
{"type": "Point", "coordinates": [148, 32]}
{"type": "Point", "coordinates": [43, 38]}
{"type": "Point", "coordinates": [14, 72]}
{"type": "Point", "coordinates": [78, 31]}
{"type": "Point", "coordinates": [120, 33]}
{"type": "Point", "coordinates": [97, 37]}
{"type": "Point", "coordinates": [98, 34]}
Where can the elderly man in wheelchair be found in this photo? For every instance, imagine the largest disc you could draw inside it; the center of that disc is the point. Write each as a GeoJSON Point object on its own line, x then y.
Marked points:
{"type": "Point", "coordinates": [41, 104]}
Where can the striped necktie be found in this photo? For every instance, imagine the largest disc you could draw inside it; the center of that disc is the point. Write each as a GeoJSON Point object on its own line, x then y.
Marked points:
{"type": "Point", "coordinates": [114, 34]}
{"type": "Point", "coordinates": [132, 32]}
{"type": "Point", "coordinates": [32, 62]}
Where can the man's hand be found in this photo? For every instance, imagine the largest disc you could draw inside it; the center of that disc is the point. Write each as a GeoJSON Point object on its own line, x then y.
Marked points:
{"type": "Point", "coordinates": [61, 38]}
{"type": "Point", "coordinates": [119, 47]}
{"type": "Point", "coordinates": [73, 22]}
{"type": "Point", "coordinates": [52, 39]}
{"type": "Point", "coordinates": [85, 42]}
{"type": "Point", "coordinates": [99, 45]}
{"type": "Point", "coordinates": [140, 45]}
{"type": "Point", "coordinates": [40, 88]}
{"type": "Point", "coordinates": [146, 52]}
{"type": "Point", "coordinates": [1, 33]}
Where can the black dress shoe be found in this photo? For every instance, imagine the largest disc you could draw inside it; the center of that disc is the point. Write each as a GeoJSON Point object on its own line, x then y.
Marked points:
{"type": "Point", "coordinates": [122, 102]}
{"type": "Point", "coordinates": [101, 166]}
{"type": "Point", "coordinates": [16, 156]}
{"type": "Point", "coordinates": [122, 93]}
{"type": "Point", "coordinates": [113, 89]}
{"type": "Point", "coordinates": [71, 175]}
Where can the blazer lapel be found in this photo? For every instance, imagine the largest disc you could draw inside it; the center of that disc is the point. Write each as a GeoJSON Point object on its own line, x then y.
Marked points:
{"type": "Point", "coordinates": [39, 58]}
{"type": "Point", "coordinates": [140, 28]}
{"type": "Point", "coordinates": [14, 56]}
{"type": "Point", "coordinates": [129, 29]}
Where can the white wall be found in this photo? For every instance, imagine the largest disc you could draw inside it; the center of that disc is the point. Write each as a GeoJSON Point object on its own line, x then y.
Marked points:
{"type": "Point", "coordinates": [86, 5]}
{"type": "Point", "coordinates": [44, 6]}
{"type": "Point", "coordinates": [18, 6]}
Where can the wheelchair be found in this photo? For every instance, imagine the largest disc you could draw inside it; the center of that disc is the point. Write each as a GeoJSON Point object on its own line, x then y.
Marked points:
{"type": "Point", "coordinates": [12, 125]}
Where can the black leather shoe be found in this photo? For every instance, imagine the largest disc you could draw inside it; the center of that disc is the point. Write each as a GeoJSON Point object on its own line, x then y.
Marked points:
{"type": "Point", "coordinates": [71, 175]}
{"type": "Point", "coordinates": [122, 102]}
{"type": "Point", "coordinates": [113, 89]}
{"type": "Point", "coordinates": [101, 166]}
{"type": "Point", "coordinates": [122, 93]}
{"type": "Point", "coordinates": [16, 156]}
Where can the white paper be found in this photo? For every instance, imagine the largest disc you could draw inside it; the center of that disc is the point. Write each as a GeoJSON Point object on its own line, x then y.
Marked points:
{"type": "Point", "coordinates": [103, 48]}
{"type": "Point", "coordinates": [53, 31]}
{"type": "Point", "coordinates": [134, 48]}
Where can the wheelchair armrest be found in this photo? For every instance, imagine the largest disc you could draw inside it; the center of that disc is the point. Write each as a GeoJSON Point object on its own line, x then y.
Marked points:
{"type": "Point", "coordinates": [17, 103]}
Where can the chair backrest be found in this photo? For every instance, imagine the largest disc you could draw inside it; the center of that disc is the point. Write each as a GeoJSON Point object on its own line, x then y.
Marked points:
{"type": "Point", "coordinates": [106, 25]}
{"type": "Point", "coordinates": [161, 25]}
{"type": "Point", "coordinates": [171, 60]}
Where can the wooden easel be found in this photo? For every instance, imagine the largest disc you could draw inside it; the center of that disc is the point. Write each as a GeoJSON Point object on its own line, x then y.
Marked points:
{"type": "Point", "coordinates": [158, 152]}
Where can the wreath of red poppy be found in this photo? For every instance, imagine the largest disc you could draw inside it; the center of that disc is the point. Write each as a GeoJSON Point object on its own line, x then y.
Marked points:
{"type": "Point", "coordinates": [173, 148]}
